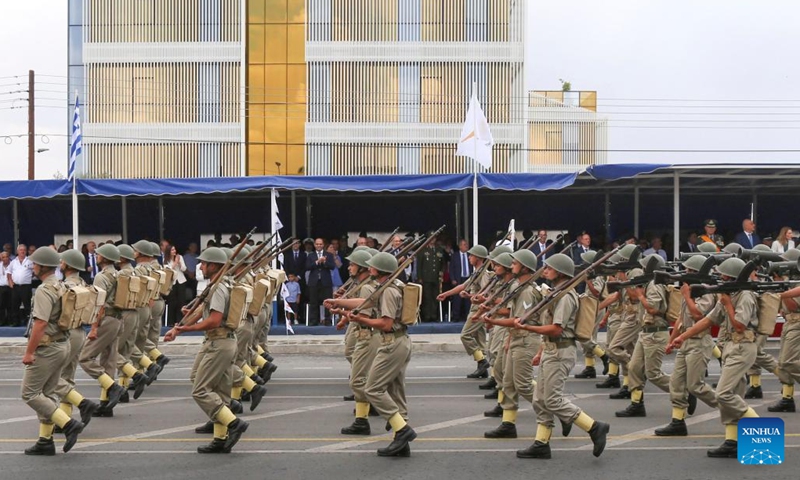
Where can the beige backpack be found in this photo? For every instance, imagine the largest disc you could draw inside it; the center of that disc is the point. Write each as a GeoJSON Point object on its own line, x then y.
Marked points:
{"type": "Point", "coordinates": [127, 292]}
{"type": "Point", "coordinates": [169, 279]}
{"type": "Point", "coordinates": [262, 291]}
{"type": "Point", "coordinates": [674, 303]}
{"type": "Point", "coordinates": [73, 303]}
{"type": "Point", "coordinates": [412, 299]}
{"type": "Point", "coordinates": [240, 300]}
{"type": "Point", "coordinates": [97, 298]}
{"type": "Point", "coordinates": [768, 305]}
{"type": "Point", "coordinates": [586, 317]}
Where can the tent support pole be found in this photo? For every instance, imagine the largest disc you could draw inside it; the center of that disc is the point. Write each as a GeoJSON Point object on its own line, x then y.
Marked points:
{"type": "Point", "coordinates": [754, 213]}
{"type": "Point", "coordinates": [160, 218]}
{"type": "Point", "coordinates": [16, 223]}
{"type": "Point", "coordinates": [124, 220]}
{"type": "Point", "coordinates": [475, 208]}
{"type": "Point", "coordinates": [294, 214]}
{"type": "Point", "coordinates": [458, 219]}
{"type": "Point", "coordinates": [676, 207]}
{"type": "Point", "coordinates": [636, 211]}
{"type": "Point", "coordinates": [308, 216]}
{"type": "Point", "coordinates": [608, 217]}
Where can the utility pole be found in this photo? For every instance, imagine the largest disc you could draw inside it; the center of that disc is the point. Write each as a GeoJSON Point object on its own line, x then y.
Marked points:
{"type": "Point", "coordinates": [31, 126]}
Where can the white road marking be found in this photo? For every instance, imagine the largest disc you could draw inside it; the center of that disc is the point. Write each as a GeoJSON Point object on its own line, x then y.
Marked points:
{"type": "Point", "coordinates": [121, 407]}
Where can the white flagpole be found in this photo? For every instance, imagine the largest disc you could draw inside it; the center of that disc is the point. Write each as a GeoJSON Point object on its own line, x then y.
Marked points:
{"type": "Point", "coordinates": [75, 243]}
{"type": "Point", "coordinates": [475, 176]}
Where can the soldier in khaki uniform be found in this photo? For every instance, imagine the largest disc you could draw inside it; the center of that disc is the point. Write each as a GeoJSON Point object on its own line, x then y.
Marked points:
{"type": "Point", "coordinates": [740, 311]}
{"type": "Point", "coordinates": [495, 336]}
{"type": "Point", "coordinates": [129, 377]}
{"type": "Point", "coordinates": [789, 356]}
{"type": "Point", "coordinates": [103, 337]}
{"type": "Point", "coordinates": [687, 379]}
{"type": "Point", "coordinates": [645, 363]}
{"type": "Point", "coordinates": [557, 359]}
{"type": "Point", "coordinates": [72, 262]}
{"type": "Point", "coordinates": [144, 266]}
{"type": "Point", "coordinates": [385, 388]}
{"type": "Point", "coordinates": [45, 356]}
{"type": "Point", "coordinates": [350, 337]}
{"type": "Point", "coordinates": [591, 349]}
{"type": "Point", "coordinates": [211, 372]}
{"type": "Point", "coordinates": [473, 334]}
{"type": "Point", "coordinates": [499, 335]}
{"type": "Point", "coordinates": [612, 320]}
{"type": "Point", "coordinates": [522, 345]}
{"type": "Point", "coordinates": [367, 340]}
{"type": "Point", "coordinates": [156, 315]}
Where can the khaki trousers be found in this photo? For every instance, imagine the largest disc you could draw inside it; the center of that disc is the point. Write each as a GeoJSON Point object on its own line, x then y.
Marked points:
{"type": "Point", "coordinates": [625, 338]}
{"type": "Point", "coordinates": [364, 351]}
{"type": "Point", "coordinates": [211, 375]}
{"type": "Point", "coordinates": [244, 336]}
{"type": "Point", "coordinates": [104, 346]}
{"type": "Point", "coordinates": [263, 325]}
{"type": "Point", "coordinates": [350, 341]}
{"type": "Point", "coordinates": [789, 357]}
{"type": "Point", "coordinates": [688, 377]}
{"type": "Point", "coordinates": [589, 345]}
{"type": "Point", "coordinates": [67, 382]}
{"type": "Point", "coordinates": [763, 359]}
{"type": "Point", "coordinates": [386, 379]}
{"type": "Point", "coordinates": [737, 358]}
{"type": "Point", "coordinates": [154, 325]}
{"type": "Point", "coordinates": [498, 348]}
{"type": "Point", "coordinates": [142, 329]}
{"type": "Point", "coordinates": [645, 364]}
{"type": "Point", "coordinates": [473, 334]}
{"type": "Point", "coordinates": [549, 400]}
{"type": "Point", "coordinates": [127, 337]}
{"type": "Point", "coordinates": [39, 381]}
{"type": "Point", "coordinates": [518, 370]}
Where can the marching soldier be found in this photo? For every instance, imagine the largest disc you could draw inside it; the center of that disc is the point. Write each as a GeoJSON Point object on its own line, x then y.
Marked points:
{"type": "Point", "coordinates": [789, 356]}
{"type": "Point", "coordinates": [72, 263]}
{"type": "Point", "coordinates": [612, 319]}
{"type": "Point", "coordinates": [430, 265]}
{"type": "Point", "coordinates": [502, 269]}
{"type": "Point", "coordinates": [350, 337]}
{"type": "Point", "coordinates": [45, 356]}
{"type": "Point", "coordinates": [156, 314]}
{"type": "Point", "coordinates": [555, 363]}
{"type": "Point", "coordinates": [473, 334]}
{"type": "Point", "coordinates": [740, 312]}
{"type": "Point", "coordinates": [645, 363]}
{"type": "Point", "coordinates": [129, 377]}
{"type": "Point", "coordinates": [211, 372]}
{"type": "Point", "coordinates": [143, 252]}
{"type": "Point", "coordinates": [99, 356]}
{"type": "Point", "coordinates": [591, 349]}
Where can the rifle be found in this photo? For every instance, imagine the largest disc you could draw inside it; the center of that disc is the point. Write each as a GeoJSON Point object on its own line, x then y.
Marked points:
{"type": "Point", "coordinates": [386, 246]}
{"type": "Point", "coordinates": [477, 274]}
{"type": "Point", "coordinates": [783, 268]}
{"type": "Point", "coordinates": [558, 240]}
{"type": "Point", "coordinates": [760, 256]}
{"type": "Point", "coordinates": [369, 301]}
{"type": "Point", "coordinates": [212, 285]}
{"type": "Point", "coordinates": [404, 248]}
{"type": "Point", "coordinates": [614, 268]}
{"type": "Point", "coordinates": [641, 280]}
{"type": "Point", "coordinates": [555, 294]}
{"type": "Point", "coordinates": [265, 259]}
{"type": "Point", "coordinates": [742, 282]}
{"type": "Point", "coordinates": [717, 256]}
{"type": "Point", "coordinates": [667, 278]}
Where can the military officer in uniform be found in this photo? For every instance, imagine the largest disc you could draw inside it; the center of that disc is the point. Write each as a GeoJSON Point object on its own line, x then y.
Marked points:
{"type": "Point", "coordinates": [430, 265]}
{"type": "Point", "coordinates": [710, 235]}
{"type": "Point", "coordinates": [555, 363]}
{"type": "Point", "coordinates": [211, 372]}
{"type": "Point", "coordinates": [45, 356]}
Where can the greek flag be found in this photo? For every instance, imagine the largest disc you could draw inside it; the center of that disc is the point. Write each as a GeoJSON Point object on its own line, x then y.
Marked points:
{"type": "Point", "coordinates": [77, 140]}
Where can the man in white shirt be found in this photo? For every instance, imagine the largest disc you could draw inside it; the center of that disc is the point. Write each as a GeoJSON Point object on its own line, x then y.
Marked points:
{"type": "Point", "coordinates": [5, 290]}
{"type": "Point", "coordinates": [655, 247]}
{"type": "Point", "coordinates": [19, 276]}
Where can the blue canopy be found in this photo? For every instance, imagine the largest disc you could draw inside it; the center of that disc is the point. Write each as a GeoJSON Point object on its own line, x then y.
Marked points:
{"type": "Point", "coordinates": [623, 170]}
{"type": "Point", "coordinates": [526, 181]}
{"type": "Point", "coordinates": [27, 189]}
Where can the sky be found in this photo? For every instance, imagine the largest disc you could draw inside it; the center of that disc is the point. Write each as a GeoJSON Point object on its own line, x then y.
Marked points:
{"type": "Point", "coordinates": [675, 78]}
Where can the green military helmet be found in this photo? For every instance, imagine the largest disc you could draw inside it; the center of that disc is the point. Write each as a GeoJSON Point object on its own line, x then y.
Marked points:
{"type": "Point", "coordinates": [627, 252]}
{"type": "Point", "coordinates": [46, 257]}
{"type": "Point", "coordinates": [383, 262]}
{"type": "Point", "coordinates": [791, 255]}
{"type": "Point", "coordinates": [126, 251]}
{"type": "Point", "coordinates": [562, 264]}
{"type": "Point", "coordinates": [74, 259]}
{"type": "Point", "coordinates": [761, 248]}
{"type": "Point", "coordinates": [590, 255]}
{"type": "Point", "coordinates": [652, 262]}
{"type": "Point", "coordinates": [732, 248]}
{"type": "Point", "coordinates": [614, 258]}
{"type": "Point", "coordinates": [526, 258]}
{"type": "Point", "coordinates": [109, 252]}
{"type": "Point", "coordinates": [360, 248]}
{"type": "Point", "coordinates": [478, 251]}
{"type": "Point", "coordinates": [372, 251]}
{"type": "Point", "coordinates": [155, 250]}
{"type": "Point", "coordinates": [498, 250]}
{"type": "Point", "coordinates": [504, 259]}
{"type": "Point", "coordinates": [695, 262]}
{"type": "Point", "coordinates": [227, 251]}
{"type": "Point", "coordinates": [710, 247]}
{"type": "Point", "coordinates": [360, 258]}
{"type": "Point", "coordinates": [143, 247]}
{"type": "Point", "coordinates": [243, 253]}
{"type": "Point", "coordinates": [213, 255]}
{"type": "Point", "coordinates": [731, 267]}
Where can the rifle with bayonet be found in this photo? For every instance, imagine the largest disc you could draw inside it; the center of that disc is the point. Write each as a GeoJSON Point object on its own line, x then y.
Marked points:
{"type": "Point", "coordinates": [388, 244]}
{"type": "Point", "coordinates": [743, 282]}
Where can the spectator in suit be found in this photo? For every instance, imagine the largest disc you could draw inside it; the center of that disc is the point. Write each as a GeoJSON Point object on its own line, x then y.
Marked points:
{"type": "Point", "coordinates": [690, 245]}
{"type": "Point", "coordinates": [294, 261]}
{"type": "Point", "coordinates": [91, 263]}
{"type": "Point", "coordinates": [396, 243]}
{"type": "Point", "coordinates": [747, 238]}
{"type": "Point", "coordinates": [541, 245]}
{"type": "Point", "coordinates": [460, 270]}
{"type": "Point", "coordinates": [319, 264]}
{"type": "Point", "coordinates": [583, 246]}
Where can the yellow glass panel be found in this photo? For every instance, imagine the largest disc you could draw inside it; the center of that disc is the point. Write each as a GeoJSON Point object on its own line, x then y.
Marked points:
{"type": "Point", "coordinates": [256, 11]}
{"type": "Point", "coordinates": [274, 90]}
{"type": "Point", "coordinates": [255, 83]}
{"type": "Point", "coordinates": [275, 44]}
{"type": "Point", "coordinates": [295, 159]}
{"type": "Point", "coordinates": [276, 11]}
{"type": "Point", "coordinates": [255, 159]}
{"type": "Point", "coordinates": [255, 124]}
{"type": "Point", "coordinates": [297, 45]}
{"type": "Point", "coordinates": [588, 100]}
{"type": "Point", "coordinates": [275, 154]}
{"type": "Point", "coordinates": [296, 11]}
{"type": "Point", "coordinates": [295, 124]}
{"type": "Point", "coordinates": [275, 122]}
{"type": "Point", "coordinates": [296, 84]}
{"type": "Point", "coordinates": [256, 43]}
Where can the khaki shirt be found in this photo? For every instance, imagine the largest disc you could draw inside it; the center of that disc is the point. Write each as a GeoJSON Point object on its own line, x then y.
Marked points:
{"type": "Point", "coordinates": [745, 306]}
{"type": "Point", "coordinates": [480, 282]}
{"type": "Point", "coordinates": [564, 313]}
{"type": "Point", "coordinates": [143, 269]}
{"type": "Point", "coordinates": [107, 280]}
{"type": "Point", "coordinates": [656, 296]}
{"type": "Point", "coordinates": [527, 298]}
{"type": "Point", "coordinates": [390, 304]}
{"type": "Point", "coordinates": [365, 289]}
{"type": "Point", "coordinates": [219, 301]}
{"type": "Point", "coordinates": [47, 304]}
{"type": "Point", "coordinates": [705, 304]}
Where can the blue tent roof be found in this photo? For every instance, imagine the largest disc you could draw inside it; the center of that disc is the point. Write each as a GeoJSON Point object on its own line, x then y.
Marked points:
{"type": "Point", "coordinates": [526, 181]}
{"type": "Point", "coordinates": [27, 189]}
{"type": "Point", "coordinates": [623, 170]}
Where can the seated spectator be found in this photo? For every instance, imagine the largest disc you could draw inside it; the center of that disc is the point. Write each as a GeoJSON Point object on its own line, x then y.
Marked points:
{"type": "Point", "coordinates": [784, 241]}
{"type": "Point", "coordinates": [690, 245]}
{"type": "Point", "coordinates": [655, 247]}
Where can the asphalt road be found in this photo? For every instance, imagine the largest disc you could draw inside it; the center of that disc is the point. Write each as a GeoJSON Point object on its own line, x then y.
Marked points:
{"type": "Point", "coordinates": [294, 433]}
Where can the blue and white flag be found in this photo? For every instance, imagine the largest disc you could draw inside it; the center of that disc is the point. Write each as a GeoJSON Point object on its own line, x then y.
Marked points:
{"type": "Point", "coordinates": [77, 141]}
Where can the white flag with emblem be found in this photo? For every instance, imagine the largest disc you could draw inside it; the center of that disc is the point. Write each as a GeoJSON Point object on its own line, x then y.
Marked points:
{"type": "Point", "coordinates": [510, 237]}
{"type": "Point", "coordinates": [476, 139]}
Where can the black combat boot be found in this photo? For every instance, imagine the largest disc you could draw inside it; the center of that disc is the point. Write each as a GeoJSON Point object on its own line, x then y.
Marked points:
{"type": "Point", "coordinates": [754, 392]}
{"type": "Point", "coordinates": [537, 450]}
{"type": "Point", "coordinates": [612, 381]}
{"type": "Point", "coordinates": [675, 428]}
{"type": "Point", "coordinates": [505, 430]}
{"type": "Point", "coordinates": [728, 449]}
{"type": "Point", "coordinates": [87, 408]}
{"type": "Point", "coordinates": [125, 398]}
{"type": "Point", "coordinates": [482, 371]}
{"type": "Point", "coordinates": [565, 428]}
{"type": "Point", "coordinates": [236, 407]}
{"type": "Point", "coordinates": [235, 430]}
{"type": "Point", "coordinates": [692, 404]}
{"type": "Point", "coordinates": [114, 394]}
{"type": "Point", "coordinates": [266, 371]}
{"type": "Point", "coordinates": [256, 395]}
{"type": "Point", "coordinates": [349, 398]}
{"type": "Point", "coordinates": [491, 384]}
{"type": "Point", "coordinates": [400, 442]}
{"type": "Point", "coordinates": [216, 446]}
{"type": "Point", "coordinates": [493, 395]}
{"type": "Point", "coordinates": [496, 412]}
{"type": "Point", "coordinates": [138, 382]}
{"type": "Point", "coordinates": [72, 429]}
{"type": "Point", "coordinates": [207, 427]}
{"type": "Point", "coordinates": [588, 372]}
{"type": "Point", "coordinates": [359, 427]}
{"type": "Point", "coordinates": [783, 405]}
{"type": "Point", "coordinates": [103, 411]}
{"type": "Point", "coordinates": [633, 410]}
{"type": "Point", "coordinates": [599, 433]}
{"type": "Point", "coordinates": [623, 394]}
{"type": "Point", "coordinates": [43, 446]}
{"type": "Point", "coordinates": [605, 361]}
{"type": "Point", "coordinates": [162, 361]}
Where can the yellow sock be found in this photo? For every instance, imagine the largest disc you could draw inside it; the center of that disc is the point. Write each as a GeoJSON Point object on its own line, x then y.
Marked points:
{"type": "Point", "coordinates": [584, 422]}
{"type": "Point", "coordinates": [636, 395]}
{"type": "Point", "coordinates": [236, 393]}
{"type": "Point", "coordinates": [220, 431]}
{"type": "Point", "coordinates": [260, 362]}
{"type": "Point", "coordinates": [613, 369]}
{"type": "Point", "coordinates": [716, 352]}
{"type": "Point", "coordinates": [478, 356]}
{"type": "Point", "coordinates": [678, 413]}
{"type": "Point", "coordinates": [154, 354]}
{"type": "Point", "coordinates": [46, 430]}
{"type": "Point", "coordinates": [732, 432]}
{"type": "Point", "coordinates": [509, 416]}
{"type": "Point", "coordinates": [128, 370]}
{"type": "Point", "coordinates": [103, 394]}
{"type": "Point", "coordinates": [598, 351]}
{"type": "Point", "coordinates": [750, 413]}
{"type": "Point", "coordinates": [145, 362]}
{"type": "Point", "coordinates": [224, 416]}
{"type": "Point", "coordinates": [362, 409]}
{"type": "Point", "coordinates": [624, 380]}
{"type": "Point", "coordinates": [75, 398]}
{"type": "Point", "coordinates": [787, 391]}
{"type": "Point", "coordinates": [543, 433]}
{"type": "Point", "coordinates": [248, 384]}
{"type": "Point", "coordinates": [397, 422]}
{"type": "Point", "coordinates": [60, 417]}
{"type": "Point", "coordinates": [105, 381]}
{"type": "Point", "coordinates": [755, 381]}
{"type": "Point", "coordinates": [66, 408]}
{"type": "Point", "coordinates": [500, 396]}
{"type": "Point", "coordinates": [124, 381]}
{"type": "Point", "coordinates": [589, 362]}
{"type": "Point", "coordinates": [259, 350]}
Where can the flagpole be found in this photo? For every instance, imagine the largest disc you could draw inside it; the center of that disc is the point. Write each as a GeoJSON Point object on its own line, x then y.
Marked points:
{"type": "Point", "coordinates": [475, 175]}
{"type": "Point", "coordinates": [75, 243]}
